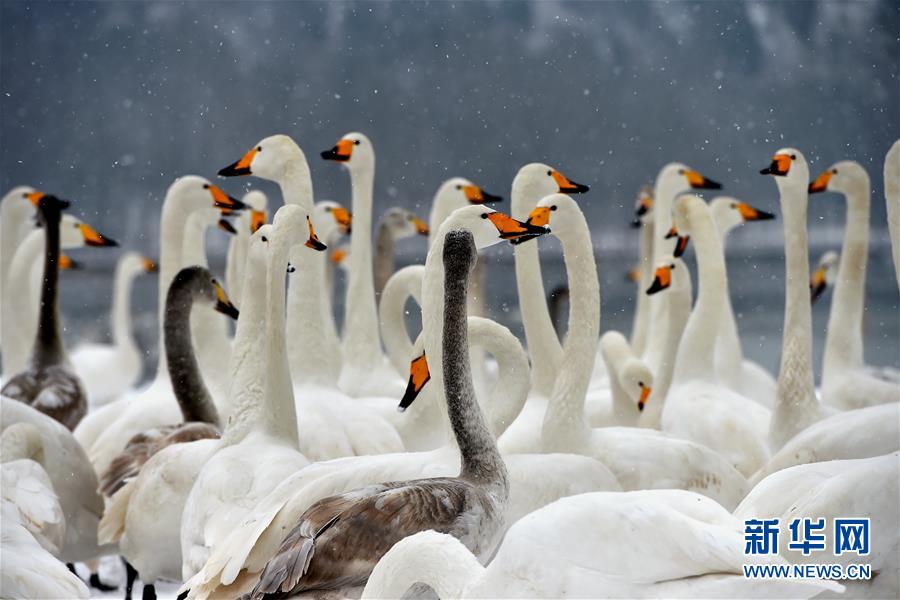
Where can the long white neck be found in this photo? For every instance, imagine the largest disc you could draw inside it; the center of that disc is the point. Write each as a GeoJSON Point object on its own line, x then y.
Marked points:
{"type": "Point", "coordinates": [392, 311]}
{"type": "Point", "coordinates": [892, 199]}
{"type": "Point", "coordinates": [18, 332]}
{"type": "Point", "coordinates": [543, 343]}
{"type": "Point", "coordinates": [362, 346]}
{"type": "Point", "coordinates": [14, 213]}
{"type": "Point", "coordinates": [564, 424]}
{"type": "Point", "coordinates": [172, 223]}
{"type": "Point", "coordinates": [121, 306]}
{"type": "Point", "coordinates": [237, 255]}
{"type": "Point", "coordinates": [843, 345]}
{"type": "Point", "coordinates": [280, 411]}
{"type": "Point", "coordinates": [615, 352]}
{"type": "Point", "coordinates": [435, 559]}
{"type": "Point", "coordinates": [445, 202]}
{"type": "Point", "coordinates": [796, 405]}
{"type": "Point", "coordinates": [697, 348]}
{"type": "Point", "coordinates": [729, 358]}
{"type": "Point", "coordinates": [248, 357]}
{"type": "Point", "coordinates": [641, 322]}
{"type": "Point", "coordinates": [679, 312]}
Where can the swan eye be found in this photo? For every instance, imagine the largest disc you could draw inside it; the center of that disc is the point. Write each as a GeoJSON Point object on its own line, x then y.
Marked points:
{"type": "Point", "coordinates": [205, 186]}
{"type": "Point", "coordinates": [834, 171]}
{"type": "Point", "coordinates": [357, 142]}
{"type": "Point", "coordinates": [681, 171]}
{"type": "Point", "coordinates": [793, 157]}
{"type": "Point", "coordinates": [549, 173]}
{"type": "Point", "coordinates": [733, 205]}
{"type": "Point", "coordinates": [264, 238]}
{"type": "Point", "coordinates": [459, 187]}
{"type": "Point", "coordinates": [484, 215]}
{"type": "Point", "coordinates": [259, 148]}
{"type": "Point", "coordinates": [672, 266]}
{"type": "Point", "coordinates": [327, 209]}
{"type": "Point", "coordinates": [553, 207]}
{"type": "Point", "coordinates": [641, 383]}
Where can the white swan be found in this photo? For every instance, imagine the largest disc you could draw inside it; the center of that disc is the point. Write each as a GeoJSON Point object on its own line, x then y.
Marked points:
{"type": "Point", "coordinates": [796, 405]}
{"type": "Point", "coordinates": [405, 283]}
{"type": "Point", "coordinates": [628, 376]}
{"type": "Point", "coordinates": [838, 489]}
{"type": "Point", "coordinates": [108, 370]}
{"type": "Point", "coordinates": [740, 374]}
{"type": "Point", "coordinates": [24, 282]}
{"type": "Point", "coordinates": [16, 207]}
{"type": "Point", "coordinates": [846, 383]}
{"type": "Point", "coordinates": [699, 406]}
{"type": "Point", "coordinates": [259, 447]}
{"type": "Point", "coordinates": [531, 183]}
{"type": "Point", "coordinates": [679, 545]}
{"type": "Point", "coordinates": [639, 458]}
{"type": "Point", "coordinates": [154, 405]}
{"type": "Point", "coordinates": [892, 201]}
{"type": "Point", "coordinates": [395, 224]}
{"type": "Point", "coordinates": [237, 563]}
{"type": "Point", "coordinates": [364, 371]}
{"type": "Point", "coordinates": [246, 224]}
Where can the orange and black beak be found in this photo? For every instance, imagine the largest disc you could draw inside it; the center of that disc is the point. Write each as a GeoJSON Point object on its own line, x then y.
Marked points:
{"type": "Point", "coordinates": [150, 266]}
{"type": "Point", "coordinates": [223, 304]}
{"type": "Point", "coordinates": [567, 186]}
{"type": "Point", "coordinates": [476, 195]}
{"type": "Point", "coordinates": [817, 284]}
{"type": "Point", "coordinates": [662, 279]}
{"type": "Point", "coordinates": [682, 243]}
{"type": "Point", "coordinates": [419, 375]}
{"type": "Point", "coordinates": [257, 220]}
{"type": "Point", "coordinates": [344, 218]}
{"type": "Point", "coordinates": [781, 164]}
{"type": "Point", "coordinates": [645, 393]}
{"type": "Point", "coordinates": [421, 226]}
{"type": "Point", "coordinates": [749, 213]}
{"type": "Point", "coordinates": [341, 152]}
{"type": "Point", "coordinates": [93, 238]}
{"type": "Point", "coordinates": [820, 184]}
{"type": "Point", "coordinates": [67, 264]}
{"type": "Point", "coordinates": [516, 232]}
{"type": "Point", "coordinates": [221, 200]}
{"type": "Point", "coordinates": [313, 241]}
{"type": "Point", "coordinates": [35, 197]}
{"type": "Point", "coordinates": [644, 204]}
{"type": "Point", "coordinates": [241, 167]}
{"type": "Point", "coordinates": [699, 182]}
{"type": "Point", "coordinates": [225, 225]}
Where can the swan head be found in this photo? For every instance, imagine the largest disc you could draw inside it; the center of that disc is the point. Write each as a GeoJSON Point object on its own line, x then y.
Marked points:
{"type": "Point", "coordinates": [204, 287]}
{"type": "Point", "coordinates": [845, 177]}
{"type": "Point", "coordinates": [490, 227]}
{"type": "Point", "coordinates": [333, 219]}
{"type": "Point", "coordinates": [664, 274]}
{"type": "Point", "coordinates": [288, 225]}
{"type": "Point", "coordinates": [271, 158]}
{"type": "Point", "coordinates": [462, 191]}
{"type": "Point", "coordinates": [636, 379]}
{"type": "Point", "coordinates": [75, 233]}
{"type": "Point", "coordinates": [643, 206]}
{"type": "Point", "coordinates": [403, 223]}
{"type": "Point", "coordinates": [23, 197]}
{"type": "Point", "coordinates": [354, 150]}
{"type": "Point", "coordinates": [789, 167]}
{"type": "Point", "coordinates": [824, 274]}
{"type": "Point", "coordinates": [558, 211]}
{"type": "Point", "coordinates": [681, 177]}
{"type": "Point", "coordinates": [537, 180]}
{"type": "Point", "coordinates": [730, 212]}
{"type": "Point", "coordinates": [135, 263]}
{"type": "Point", "coordinates": [195, 192]}
{"type": "Point", "coordinates": [257, 202]}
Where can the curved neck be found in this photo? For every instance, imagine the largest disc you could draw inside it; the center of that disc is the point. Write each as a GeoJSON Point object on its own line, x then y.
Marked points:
{"type": "Point", "coordinates": [615, 352]}
{"type": "Point", "coordinates": [437, 560]}
{"type": "Point", "coordinates": [279, 410]}
{"type": "Point", "coordinates": [697, 348]}
{"type": "Point", "coordinates": [194, 247]}
{"type": "Point", "coordinates": [234, 261]}
{"type": "Point", "coordinates": [513, 381]}
{"type": "Point", "coordinates": [18, 330]}
{"type": "Point", "coordinates": [48, 346]}
{"type": "Point", "coordinates": [362, 346]}
{"type": "Point", "coordinates": [543, 343]}
{"type": "Point", "coordinates": [564, 422]}
{"type": "Point", "coordinates": [172, 223]}
{"type": "Point", "coordinates": [796, 405]}
{"type": "Point", "coordinates": [121, 306]}
{"type": "Point", "coordinates": [14, 212]}
{"type": "Point", "coordinates": [384, 255]}
{"type": "Point", "coordinates": [640, 323]}
{"type": "Point", "coordinates": [729, 356]}
{"type": "Point", "coordinates": [392, 311]}
{"type": "Point", "coordinates": [248, 356]}
{"type": "Point", "coordinates": [184, 372]}
{"type": "Point", "coordinates": [480, 459]}
{"type": "Point", "coordinates": [843, 346]}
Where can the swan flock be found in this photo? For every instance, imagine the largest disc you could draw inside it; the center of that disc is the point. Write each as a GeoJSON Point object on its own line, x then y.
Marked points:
{"type": "Point", "coordinates": [273, 453]}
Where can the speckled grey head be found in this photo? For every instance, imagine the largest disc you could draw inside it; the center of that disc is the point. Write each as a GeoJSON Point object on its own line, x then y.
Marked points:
{"type": "Point", "coordinates": [460, 253]}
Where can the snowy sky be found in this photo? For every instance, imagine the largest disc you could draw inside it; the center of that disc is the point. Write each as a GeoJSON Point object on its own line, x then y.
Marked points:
{"type": "Point", "coordinates": [107, 102]}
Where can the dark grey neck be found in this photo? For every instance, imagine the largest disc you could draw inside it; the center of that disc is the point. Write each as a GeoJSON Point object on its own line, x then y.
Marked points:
{"type": "Point", "coordinates": [48, 346]}
{"type": "Point", "coordinates": [193, 398]}
{"type": "Point", "coordinates": [481, 460]}
{"type": "Point", "coordinates": [384, 255]}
